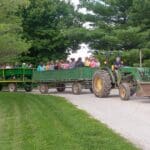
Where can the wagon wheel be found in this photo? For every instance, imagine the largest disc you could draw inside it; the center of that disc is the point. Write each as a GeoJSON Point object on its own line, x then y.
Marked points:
{"type": "Point", "coordinates": [12, 87]}
{"type": "Point", "coordinates": [60, 87]}
{"type": "Point", "coordinates": [76, 88]}
{"type": "Point", "coordinates": [43, 88]}
{"type": "Point", "coordinates": [1, 87]}
{"type": "Point", "coordinates": [124, 91]}
{"type": "Point", "coordinates": [101, 83]}
{"type": "Point", "coordinates": [28, 87]}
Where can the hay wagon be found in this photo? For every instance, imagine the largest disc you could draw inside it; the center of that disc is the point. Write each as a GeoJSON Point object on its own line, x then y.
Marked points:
{"type": "Point", "coordinates": [77, 79]}
{"type": "Point", "coordinates": [14, 78]}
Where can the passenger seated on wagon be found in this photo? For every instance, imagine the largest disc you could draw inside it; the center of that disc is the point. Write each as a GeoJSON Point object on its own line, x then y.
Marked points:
{"type": "Point", "coordinates": [65, 65]}
{"type": "Point", "coordinates": [57, 65]}
{"type": "Point", "coordinates": [79, 63]}
{"type": "Point", "coordinates": [52, 65]}
{"type": "Point", "coordinates": [91, 62]}
{"type": "Point", "coordinates": [87, 62]}
{"type": "Point", "coordinates": [97, 63]}
{"type": "Point", "coordinates": [30, 66]}
{"type": "Point", "coordinates": [48, 66]}
{"type": "Point", "coordinates": [3, 66]}
{"type": "Point", "coordinates": [41, 67]}
{"type": "Point", "coordinates": [17, 65]}
{"type": "Point", "coordinates": [8, 66]}
{"type": "Point", "coordinates": [24, 65]}
{"type": "Point", "coordinates": [72, 63]}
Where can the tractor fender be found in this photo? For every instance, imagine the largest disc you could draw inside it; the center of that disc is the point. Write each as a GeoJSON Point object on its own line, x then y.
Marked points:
{"type": "Point", "coordinates": [110, 73]}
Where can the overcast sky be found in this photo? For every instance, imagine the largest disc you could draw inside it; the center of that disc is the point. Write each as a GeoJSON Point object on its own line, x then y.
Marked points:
{"type": "Point", "coordinates": [76, 2]}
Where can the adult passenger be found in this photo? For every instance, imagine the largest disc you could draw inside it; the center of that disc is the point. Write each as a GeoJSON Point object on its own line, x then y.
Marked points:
{"type": "Point", "coordinates": [52, 65]}
{"type": "Point", "coordinates": [92, 62]}
{"type": "Point", "coordinates": [57, 65]}
{"type": "Point", "coordinates": [66, 65]}
{"type": "Point", "coordinates": [17, 65]}
{"type": "Point", "coordinates": [79, 62]}
{"type": "Point", "coordinates": [30, 66]}
{"type": "Point", "coordinates": [48, 66]}
{"type": "Point", "coordinates": [41, 67]}
{"type": "Point", "coordinates": [87, 62]}
{"type": "Point", "coordinates": [8, 66]}
{"type": "Point", "coordinates": [24, 65]}
{"type": "Point", "coordinates": [97, 63]}
{"type": "Point", "coordinates": [72, 63]}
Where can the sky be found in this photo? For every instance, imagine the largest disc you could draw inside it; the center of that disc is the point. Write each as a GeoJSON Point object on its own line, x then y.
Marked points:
{"type": "Point", "coordinates": [84, 51]}
{"type": "Point", "coordinates": [76, 2]}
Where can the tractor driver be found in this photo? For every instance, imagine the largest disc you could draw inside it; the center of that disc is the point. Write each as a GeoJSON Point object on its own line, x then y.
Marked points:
{"type": "Point", "coordinates": [118, 63]}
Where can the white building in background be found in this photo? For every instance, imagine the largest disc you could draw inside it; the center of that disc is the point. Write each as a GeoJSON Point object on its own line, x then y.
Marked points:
{"type": "Point", "coordinates": [83, 52]}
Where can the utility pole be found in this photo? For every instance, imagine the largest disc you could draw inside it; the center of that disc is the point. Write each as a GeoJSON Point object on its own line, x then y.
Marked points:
{"type": "Point", "coordinates": [140, 57]}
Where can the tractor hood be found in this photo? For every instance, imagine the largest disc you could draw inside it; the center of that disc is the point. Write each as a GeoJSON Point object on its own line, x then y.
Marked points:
{"type": "Point", "coordinates": [141, 76]}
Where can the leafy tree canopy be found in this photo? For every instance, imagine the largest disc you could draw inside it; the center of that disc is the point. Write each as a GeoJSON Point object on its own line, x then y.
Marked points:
{"type": "Point", "coordinates": [118, 24]}
{"type": "Point", "coordinates": [53, 27]}
{"type": "Point", "coordinates": [11, 42]}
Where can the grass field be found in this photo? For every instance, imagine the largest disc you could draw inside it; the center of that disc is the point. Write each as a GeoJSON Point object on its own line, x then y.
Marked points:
{"type": "Point", "coordinates": [36, 122]}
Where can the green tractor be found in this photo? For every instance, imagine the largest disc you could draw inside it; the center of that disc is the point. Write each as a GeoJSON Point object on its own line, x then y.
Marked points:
{"type": "Point", "coordinates": [129, 81]}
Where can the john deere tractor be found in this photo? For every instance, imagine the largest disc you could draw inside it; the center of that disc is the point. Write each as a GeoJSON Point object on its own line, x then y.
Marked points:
{"type": "Point", "coordinates": [129, 81]}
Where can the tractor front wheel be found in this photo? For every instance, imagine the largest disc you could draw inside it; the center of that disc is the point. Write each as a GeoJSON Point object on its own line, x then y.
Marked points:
{"type": "Point", "coordinates": [44, 88]}
{"type": "Point", "coordinates": [76, 88]}
{"type": "Point", "coordinates": [124, 91]}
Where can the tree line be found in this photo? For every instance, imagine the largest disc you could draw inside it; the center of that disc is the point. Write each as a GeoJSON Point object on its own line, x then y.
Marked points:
{"type": "Point", "coordinates": [35, 30]}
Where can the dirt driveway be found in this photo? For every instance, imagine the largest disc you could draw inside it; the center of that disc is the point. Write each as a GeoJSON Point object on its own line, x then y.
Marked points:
{"type": "Point", "coordinates": [130, 119]}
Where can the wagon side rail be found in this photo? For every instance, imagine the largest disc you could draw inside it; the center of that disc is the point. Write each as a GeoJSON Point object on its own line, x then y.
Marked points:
{"type": "Point", "coordinates": [69, 75]}
{"type": "Point", "coordinates": [16, 75]}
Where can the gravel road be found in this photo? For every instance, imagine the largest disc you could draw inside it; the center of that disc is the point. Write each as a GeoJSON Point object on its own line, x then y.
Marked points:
{"type": "Point", "coordinates": [130, 119]}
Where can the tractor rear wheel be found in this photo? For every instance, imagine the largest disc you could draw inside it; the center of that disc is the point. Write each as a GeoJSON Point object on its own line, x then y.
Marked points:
{"type": "Point", "coordinates": [12, 87]}
{"type": "Point", "coordinates": [44, 88]}
{"type": "Point", "coordinates": [124, 91]}
{"type": "Point", "coordinates": [101, 83]}
{"type": "Point", "coordinates": [60, 87]}
{"type": "Point", "coordinates": [76, 88]}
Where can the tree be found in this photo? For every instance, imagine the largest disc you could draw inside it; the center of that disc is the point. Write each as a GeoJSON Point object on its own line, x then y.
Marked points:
{"type": "Point", "coordinates": [108, 17]}
{"type": "Point", "coordinates": [119, 25]}
{"type": "Point", "coordinates": [11, 42]}
{"type": "Point", "coordinates": [139, 17]}
{"type": "Point", "coordinates": [53, 27]}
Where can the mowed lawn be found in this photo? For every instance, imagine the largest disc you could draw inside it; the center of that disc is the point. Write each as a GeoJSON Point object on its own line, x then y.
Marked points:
{"type": "Point", "coordinates": [37, 122]}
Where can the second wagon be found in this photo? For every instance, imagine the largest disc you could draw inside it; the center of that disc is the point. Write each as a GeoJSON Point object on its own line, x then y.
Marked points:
{"type": "Point", "coordinates": [77, 79]}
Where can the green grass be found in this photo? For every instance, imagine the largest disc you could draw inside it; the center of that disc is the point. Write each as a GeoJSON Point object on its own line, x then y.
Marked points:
{"type": "Point", "coordinates": [36, 122]}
